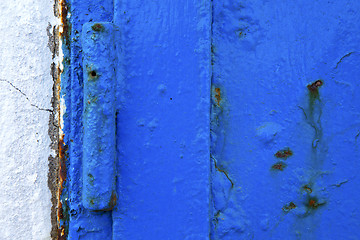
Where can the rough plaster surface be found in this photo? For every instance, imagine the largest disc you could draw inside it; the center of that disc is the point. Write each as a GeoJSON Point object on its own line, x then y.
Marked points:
{"type": "Point", "coordinates": [25, 95]}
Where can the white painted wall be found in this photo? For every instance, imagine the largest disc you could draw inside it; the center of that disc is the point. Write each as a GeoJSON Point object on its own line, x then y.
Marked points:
{"type": "Point", "coordinates": [25, 86]}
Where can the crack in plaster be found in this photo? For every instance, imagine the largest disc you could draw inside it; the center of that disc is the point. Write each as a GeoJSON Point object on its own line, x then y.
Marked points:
{"type": "Point", "coordinates": [22, 93]}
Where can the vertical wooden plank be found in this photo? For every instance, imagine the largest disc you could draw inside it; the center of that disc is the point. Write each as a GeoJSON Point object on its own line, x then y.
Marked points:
{"type": "Point", "coordinates": [285, 120]}
{"type": "Point", "coordinates": [163, 120]}
{"type": "Point", "coordinates": [82, 223]}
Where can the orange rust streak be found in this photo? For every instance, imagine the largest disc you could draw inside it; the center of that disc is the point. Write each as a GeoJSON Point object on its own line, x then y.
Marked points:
{"type": "Point", "coordinates": [218, 96]}
{"type": "Point", "coordinates": [63, 13]}
{"type": "Point", "coordinates": [314, 86]}
{"type": "Point", "coordinates": [225, 173]}
{"type": "Point", "coordinates": [62, 179]}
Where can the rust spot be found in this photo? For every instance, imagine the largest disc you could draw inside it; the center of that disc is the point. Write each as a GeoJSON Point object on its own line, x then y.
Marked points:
{"type": "Point", "coordinates": [62, 155]}
{"type": "Point", "coordinates": [218, 96]}
{"type": "Point", "coordinates": [63, 11]}
{"type": "Point", "coordinates": [288, 207]}
{"type": "Point", "coordinates": [61, 214]}
{"type": "Point", "coordinates": [313, 203]}
{"type": "Point", "coordinates": [112, 203]}
{"type": "Point", "coordinates": [284, 154]}
{"type": "Point", "coordinates": [314, 87]}
{"type": "Point", "coordinates": [98, 27]}
{"type": "Point", "coordinates": [307, 189]}
{"type": "Point", "coordinates": [278, 166]}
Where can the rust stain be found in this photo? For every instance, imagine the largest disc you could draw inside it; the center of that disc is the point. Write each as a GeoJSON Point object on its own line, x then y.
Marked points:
{"type": "Point", "coordinates": [284, 154]}
{"type": "Point", "coordinates": [313, 203]}
{"type": "Point", "coordinates": [112, 203]}
{"type": "Point", "coordinates": [62, 179]}
{"type": "Point", "coordinates": [218, 96]}
{"type": "Point", "coordinates": [225, 173]}
{"type": "Point", "coordinates": [314, 87]}
{"type": "Point", "coordinates": [278, 166]}
{"type": "Point", "coordinates": [307, 189]}
{"type": "Point", "coordinates": [63, 11]}
{"type": "Point", "coordinates": [98, 27]}
{"type": "Point", "coordinates": [289, 207]}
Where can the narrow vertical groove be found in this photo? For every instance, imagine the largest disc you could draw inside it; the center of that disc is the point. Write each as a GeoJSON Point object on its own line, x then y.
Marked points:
{"type": "Point", "coordinates": [210, 110]}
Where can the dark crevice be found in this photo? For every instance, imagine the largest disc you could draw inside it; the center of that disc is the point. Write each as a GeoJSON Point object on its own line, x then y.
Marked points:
{"type": "Point", "coordinates": [212, 216]}
{"type": "Point", "coordinates": [223, 171]}
{"type": "Point", "coordinates": [342, 58]}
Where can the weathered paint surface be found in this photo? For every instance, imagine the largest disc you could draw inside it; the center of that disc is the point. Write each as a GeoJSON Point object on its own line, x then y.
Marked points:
{"type": "Point", "coordinates": [162, 101]}
{"type": "Point", "coordinates": [285, 131]}
{"type": "Point", "coordinates": [78, 222]}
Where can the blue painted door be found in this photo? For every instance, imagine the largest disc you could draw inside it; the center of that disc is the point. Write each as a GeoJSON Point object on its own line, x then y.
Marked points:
{"type": "Point", "coordinates": [229, 119]}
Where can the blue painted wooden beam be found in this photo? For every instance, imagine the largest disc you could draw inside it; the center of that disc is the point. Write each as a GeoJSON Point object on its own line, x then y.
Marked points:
{"type": "Point", "coordinates": [163, 86]}
{"type": "Point", "coordinates": [163, 120]}
{"type": "Point", "coordinates": [82, 223]}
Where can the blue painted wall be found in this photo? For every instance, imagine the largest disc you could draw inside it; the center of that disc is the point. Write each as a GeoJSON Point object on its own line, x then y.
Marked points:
{"type": "Point", "coordinates": [265, 53]}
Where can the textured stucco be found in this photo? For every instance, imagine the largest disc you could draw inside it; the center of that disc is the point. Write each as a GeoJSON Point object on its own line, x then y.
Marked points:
{"type": "Point", "coordinates": [25, 107]}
